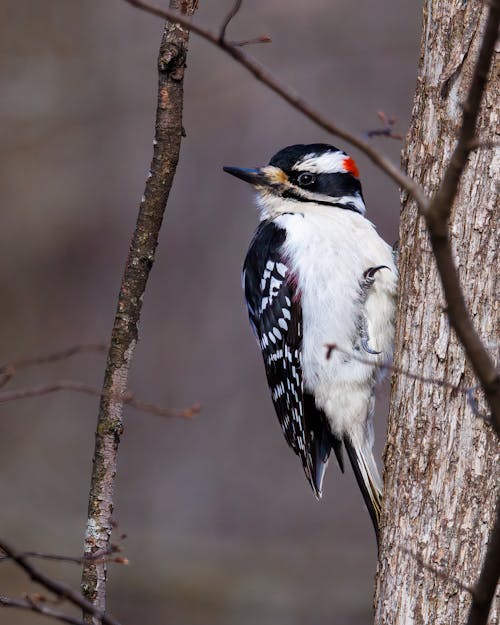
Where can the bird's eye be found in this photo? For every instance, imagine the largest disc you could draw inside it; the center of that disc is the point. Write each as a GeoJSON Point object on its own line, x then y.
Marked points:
{"type": "Point", "coordinates": [305, 179]}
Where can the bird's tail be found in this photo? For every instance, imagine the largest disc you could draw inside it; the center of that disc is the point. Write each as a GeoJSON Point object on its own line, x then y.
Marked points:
{"type": "Point", "coordinates": [367, 475]}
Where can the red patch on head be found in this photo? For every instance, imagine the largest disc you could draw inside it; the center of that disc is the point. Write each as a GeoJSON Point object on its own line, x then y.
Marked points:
{"type": "Point", "coordinates": [350, 166]}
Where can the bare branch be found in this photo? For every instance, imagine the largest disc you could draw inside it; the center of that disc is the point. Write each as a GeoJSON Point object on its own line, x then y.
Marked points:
{"type": "Point", "coordinates": [437, 216]}
{"type": "Point", "coordinates": [58, 588]}
{"type": "Point", "coordinates": [231, 14]}
{"type": "Point", "coordinates": [167, 142]}
{"type": "Point", "coordinates": [296, 101]}
{"type": "Point", "coordinates": [39, 607]}
{"type": "Point", "coordinates": [24, 363]}
{"type": "Point", "coordinates": [95, 557]}
{"type": "Point", "coordinates": [249, 42]}
{"type": "Point", "coordinates": [5, 378]}
{"type": "Point", "coordinates": [8, 370]}
{"type": "Point", "coordinates": [485, 587]}
{"type": "Point", "coordinates": [387, 366]}
{"type": "Point", "coordinates": [387, 130]}
{"type": "Point", "coordinates": [78, 387]}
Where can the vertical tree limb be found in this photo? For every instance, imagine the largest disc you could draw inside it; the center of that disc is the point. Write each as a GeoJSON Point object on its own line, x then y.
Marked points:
{"type": "Point", "coordinates": [168, 133]}
{"type": "Point", "coordinates": [439, 210]}
{"type": "Point", "coordinates": [441, 460]}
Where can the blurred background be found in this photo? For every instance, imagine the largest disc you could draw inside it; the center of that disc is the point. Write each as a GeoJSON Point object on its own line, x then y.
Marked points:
{"type": "Point", "coordinates": [222, 527]}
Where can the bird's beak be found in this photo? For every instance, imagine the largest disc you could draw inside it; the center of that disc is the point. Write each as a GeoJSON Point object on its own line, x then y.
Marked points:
{"type": "Point", "coordinates": [262, 177]}
{"type": "Point", "coordinates": [254, 176]}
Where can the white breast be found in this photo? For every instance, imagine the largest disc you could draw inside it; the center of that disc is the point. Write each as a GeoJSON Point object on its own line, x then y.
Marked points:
{"type": "Point", "coordinates": [328, 249]}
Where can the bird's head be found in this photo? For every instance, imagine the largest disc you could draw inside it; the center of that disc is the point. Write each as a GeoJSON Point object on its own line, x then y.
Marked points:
{"type": "Point", "coordinates": [303, 176]}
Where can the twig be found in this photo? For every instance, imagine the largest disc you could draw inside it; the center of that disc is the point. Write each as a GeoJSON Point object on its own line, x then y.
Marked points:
{"type": "Point", "coordinates": [387, 130]}
{"type": "Point", "coordinates": [24, 363]}
{"type": "Point", "coordinates": [232, 13]}
{"type": "Point", "coordinates": [295, 100]}
{"type": "Point", "coordinates": [249, 42]}
{"type": "Point", "coordinates": [387, 366]}
{"type": "Point", "coordinates": [437, 215]}
{"type": "Point", "coordinates": [438, 572]}
{"type": "Point", "coordinates": [168, 133]}
{"type": "Point", "coordinates": [6, 377]}
{"type": "Point", "coordinates": [40, 608]}
{"type": "Point", "coordinates": [485, 587]}
{"type": "Point", "coordinates": [58, 588]}
{"type": "Point", "coordinates": [8, 370]}
{"type": "Point", "coordinates": [98, 556]}
{"type": "Point", "coordinates": [78, 387]}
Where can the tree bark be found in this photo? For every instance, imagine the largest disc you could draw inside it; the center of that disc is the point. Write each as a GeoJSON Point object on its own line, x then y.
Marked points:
{"type": "Point", "coordinates": [441, 479]}
{"type": "Point", "coordinates": [168, 133]}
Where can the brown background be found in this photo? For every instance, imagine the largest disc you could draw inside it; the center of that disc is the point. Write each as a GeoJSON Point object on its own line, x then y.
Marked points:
{"type": "Point", "coordinates": [222, 526]}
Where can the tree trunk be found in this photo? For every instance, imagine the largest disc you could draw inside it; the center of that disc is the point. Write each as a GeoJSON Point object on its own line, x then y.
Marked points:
{"type": "Point", "coordinates": [441, 480]}
{"type": "Point", "coordinates": [140, 259]}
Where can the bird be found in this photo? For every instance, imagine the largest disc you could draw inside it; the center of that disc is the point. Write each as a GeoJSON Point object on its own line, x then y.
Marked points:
{"type": "Point", "coordinates": [317, 273]}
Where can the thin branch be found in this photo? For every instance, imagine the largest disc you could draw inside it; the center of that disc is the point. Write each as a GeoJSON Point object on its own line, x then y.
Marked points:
{"type": "Point", "coordinates": [78, 387]}
{"type": "Point", "coordinates": [249, 42]}
{"type": "Point", "coordinates": [231, 14]}
{"type": "Point", "coordinates": [8, 370]}
{"type": "Point", "coordinates": [24, 363]}
{"type": "Point", "coordinates": [40, 608]}
{"type": "Point", "coordinates": [264, 76]}
{"type": "Point", "coordinates": [485, 587]}
{"type": "Point", "coordinates": [124, 335]}
{"type": "Point", "coordinates": [60, 589]}
{"type": "Point", "coordinates": [387, 130]}
{"type": "Point", "coordinates": [6, 377]}
{"type": "Point", "coordinates": [387, 366]}
{"type": "Point", "coordinates": [98, 556]}
{"type": "Point", "coordinates": [437, 215]}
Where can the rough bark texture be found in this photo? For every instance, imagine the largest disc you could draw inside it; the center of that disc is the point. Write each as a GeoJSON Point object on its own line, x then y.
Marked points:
{"type": "Point", "coordinates": [441, 482]}
{"type": "Point", "coordinates": [168, 133]}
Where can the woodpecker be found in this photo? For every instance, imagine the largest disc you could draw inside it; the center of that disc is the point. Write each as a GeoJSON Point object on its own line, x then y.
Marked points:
{"type": "Point", "coordinates": [317, 273]}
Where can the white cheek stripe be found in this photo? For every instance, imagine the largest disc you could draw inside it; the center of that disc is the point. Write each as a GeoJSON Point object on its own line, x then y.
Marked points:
{"type": "Point", "coordinates": [355, 199]}
{"type": "Point", "coordinates": [328, 163]}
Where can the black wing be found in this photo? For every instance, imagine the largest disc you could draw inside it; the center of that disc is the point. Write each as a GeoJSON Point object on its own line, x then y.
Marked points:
{"type": "Point", "coordinates": [275, 313]}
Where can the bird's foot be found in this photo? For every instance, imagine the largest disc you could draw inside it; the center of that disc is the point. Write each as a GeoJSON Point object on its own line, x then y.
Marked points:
{"type": "Point", "coordinates": [367, 348]}
{"type": "Point", "coordinates": [365, 338]}
{"type": "Point", "coordinates": [369, 275]}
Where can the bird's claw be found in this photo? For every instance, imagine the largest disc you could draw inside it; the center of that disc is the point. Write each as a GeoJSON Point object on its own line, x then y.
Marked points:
{"type": "Point", "coordinates": [369, 274]}
{"type": "Point", "coordinates": [367, 348]}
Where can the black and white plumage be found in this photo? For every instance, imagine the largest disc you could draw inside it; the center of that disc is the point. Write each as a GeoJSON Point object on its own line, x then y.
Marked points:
{"type": "Point", "coordinates": [318, 273]}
